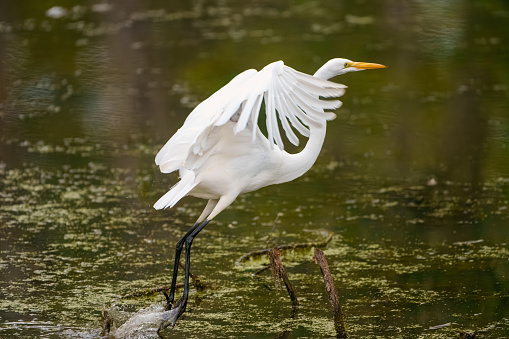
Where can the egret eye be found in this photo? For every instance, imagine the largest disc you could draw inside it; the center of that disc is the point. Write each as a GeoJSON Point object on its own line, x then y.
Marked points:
{"type": "Point", "coordinates": [347, 64]}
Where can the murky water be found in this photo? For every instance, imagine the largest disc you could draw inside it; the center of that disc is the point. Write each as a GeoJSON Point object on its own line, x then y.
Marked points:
{"type": "Point", "coordinates": [413, 179]}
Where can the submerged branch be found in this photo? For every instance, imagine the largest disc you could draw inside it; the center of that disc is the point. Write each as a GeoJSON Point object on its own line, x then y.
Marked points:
{"type": "Point", "coordinates": [464, 335]}
{"type": "Point", "coordinates": [279, 274]}
{"type": "Point", "coordinates": [339, 319]}
{"type": "Point", "coordinates": [264, 268]}
{"type": "Point", "coordinates": [149, 292]}
{"type": "Point", "coordinates": [198, 284]}
{"type": "Point", "coordinates": [108, 323]}
{"type": "Point", "coordinates": [306, 245]}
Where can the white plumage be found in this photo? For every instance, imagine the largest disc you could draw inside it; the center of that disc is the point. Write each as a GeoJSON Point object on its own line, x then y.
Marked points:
{"type": "Point", "coordinates": [221, 137]}
{"type": "Point", "coordinates": [220, 151]}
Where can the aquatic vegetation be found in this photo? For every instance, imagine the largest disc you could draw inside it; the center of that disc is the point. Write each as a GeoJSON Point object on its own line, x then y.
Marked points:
{"type": "Point", "coordinates": [416, 194]}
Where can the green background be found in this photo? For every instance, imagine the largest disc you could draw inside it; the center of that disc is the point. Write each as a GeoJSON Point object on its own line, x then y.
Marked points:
{"type": "Point", "coordinates": [413, 178]}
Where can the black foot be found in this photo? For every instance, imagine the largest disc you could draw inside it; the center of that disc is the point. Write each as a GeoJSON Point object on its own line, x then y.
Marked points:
{"type": "Point", "coordinates": [180, 308]}
{"type": "Point", "coordinates": [173, 315]}
{"type": "Point", "coordinates": [169, 303]}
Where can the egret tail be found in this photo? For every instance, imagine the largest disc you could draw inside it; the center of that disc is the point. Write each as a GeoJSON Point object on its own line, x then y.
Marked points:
{"type": "Point", "coordinates": [181, 189]}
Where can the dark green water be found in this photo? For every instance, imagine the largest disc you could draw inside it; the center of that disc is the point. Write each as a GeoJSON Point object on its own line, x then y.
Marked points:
{"type": "Point", "coordinates": [413, 178]}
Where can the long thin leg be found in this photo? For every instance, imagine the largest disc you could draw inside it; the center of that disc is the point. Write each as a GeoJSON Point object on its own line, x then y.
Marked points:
{"type": "Point", "coordinates": [182, 303]}
{"type": "Point", "coordinates": [215, 206]}
{"type": "Point", "coordinates": [178, 251]}
{"type": "Point", "coordinates": [180, 244]}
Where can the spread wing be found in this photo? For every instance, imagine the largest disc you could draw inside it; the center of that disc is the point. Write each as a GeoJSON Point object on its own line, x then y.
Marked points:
{"type": "Point", "coordinates": [292, 97]}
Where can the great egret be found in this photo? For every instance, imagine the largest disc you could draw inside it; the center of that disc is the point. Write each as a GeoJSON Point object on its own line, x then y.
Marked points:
{"type": "Point", "coordinates": [220, 151]}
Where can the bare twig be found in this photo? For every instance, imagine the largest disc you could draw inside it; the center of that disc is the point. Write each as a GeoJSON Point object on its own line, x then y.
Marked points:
{"type": "Point", "coordinates": [108, 323]}
{"type": "Point", "coordinates": [339, 319]}
{"type": "Point", "coordinates": [279, 274]}
{"type": "Point", "coordinates": [305, 245]}
{"type": "Point", "coordinates": [148, 292]}
{"type": "Point", "coordinates": [464, 335]}
{"type": "Point", "coordinates": [275, 221]}
{"type": "Point", "coordinates": [198, 284]}
{"type": "Point", "coordinates": [282, 335]}
{"type": "Point", "coordinates": [264, 268]}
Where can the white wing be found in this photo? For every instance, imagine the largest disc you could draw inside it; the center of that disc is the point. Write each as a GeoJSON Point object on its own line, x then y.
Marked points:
{"type": "Point", "coordinates": [289, 95]}
{"type": "Point", "coordinates": [174, 153]}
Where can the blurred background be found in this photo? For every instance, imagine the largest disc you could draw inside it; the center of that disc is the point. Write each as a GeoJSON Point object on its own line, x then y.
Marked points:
{"type": "Point", "coordinates": [413, 178]}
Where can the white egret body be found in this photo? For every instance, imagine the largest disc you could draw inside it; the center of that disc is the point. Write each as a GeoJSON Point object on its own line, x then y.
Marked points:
{"type": "Point", "coordinates": [220, 151]}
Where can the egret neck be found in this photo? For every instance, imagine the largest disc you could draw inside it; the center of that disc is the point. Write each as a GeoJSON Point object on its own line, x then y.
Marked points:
{"type": "Point", "coordinates": [327, 71]}
{"type": "Point", "coordinates": [301, 162]}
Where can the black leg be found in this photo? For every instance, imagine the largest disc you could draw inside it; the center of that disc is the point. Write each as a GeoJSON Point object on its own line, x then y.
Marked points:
{"type": "Point", "coordinates": [178, 251]}
{"type": "Point", "coordinates": [180, 307]}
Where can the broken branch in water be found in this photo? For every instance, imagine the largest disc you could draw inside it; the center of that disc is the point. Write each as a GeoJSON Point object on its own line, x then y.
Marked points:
{"type": "Point", "coordinates": [149, 292]}
{"type": "Point", "coordinates": [305, 245]}
{"type": "Point", "coordinates": [464, 335]}
{"type": "Point", "coordinates": [108, 323]}
{"type": "Point", "coordinates": [264, 268]}
{"type": "Point", "coordinates": [339, 319]}
{"type": "Point", "coordinates": [198, 284]}
{"type": "Point", "coordinates": [279, 274]}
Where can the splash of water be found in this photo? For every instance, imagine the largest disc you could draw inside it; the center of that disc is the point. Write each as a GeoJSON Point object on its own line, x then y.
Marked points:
{"type": "Point", "coordinates": [144, 323]}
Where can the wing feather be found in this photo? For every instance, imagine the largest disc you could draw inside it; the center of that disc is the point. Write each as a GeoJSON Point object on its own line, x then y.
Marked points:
{"type": "Point", "coordinates": [316, 114]}
{"type": "Point", "coordinates": [173, 154]}
{"type": "Point", "coordinates": [250, 105]}
{"type": "Point", "coordinates": [296, 123]}
{"type": "Point", "coordinates": [284, 122]}
{"type": "Point", "coordinates": [294, 108]}
{"type": "Point", "coordinates": [254, 115]}
{"type": "Point", "coordinates": [284, 108]}
{"type": "Point", "coordinates": [315, 101]}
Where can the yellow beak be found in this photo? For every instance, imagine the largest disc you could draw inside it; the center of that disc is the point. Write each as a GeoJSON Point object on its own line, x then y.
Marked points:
{"type": "Point", "coordinates": [366, 65]}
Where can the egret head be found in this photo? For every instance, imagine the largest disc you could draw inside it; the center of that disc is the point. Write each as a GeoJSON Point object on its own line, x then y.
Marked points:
{"type": "Point", "coordinates": [340, 66]}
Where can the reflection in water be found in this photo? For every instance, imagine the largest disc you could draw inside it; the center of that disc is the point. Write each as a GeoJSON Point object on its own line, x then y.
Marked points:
{"type": "Point", "coordinates": [440, 27]}
{"type": "Point", "coordinates": [412, 178]}
{"type": "Point", "coordinates": [464, 140]}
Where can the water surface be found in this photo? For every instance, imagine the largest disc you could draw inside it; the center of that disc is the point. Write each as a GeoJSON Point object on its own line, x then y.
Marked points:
{"type": "Point", "coordinates": [413, 178]}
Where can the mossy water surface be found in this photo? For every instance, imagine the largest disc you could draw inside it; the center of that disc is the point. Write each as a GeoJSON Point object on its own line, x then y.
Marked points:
{"type": "Point", "coordinates": [412, 179]}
